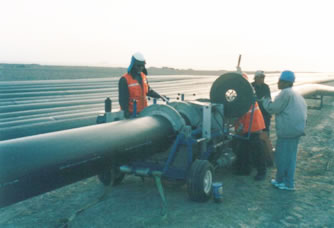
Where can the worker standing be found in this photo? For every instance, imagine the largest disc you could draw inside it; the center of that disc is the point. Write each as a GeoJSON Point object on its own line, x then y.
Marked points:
{"type": "Point", "coordinates": [133, 87]}
{"type": "Point", "coordinates": [250, 149]}
{"type": "Point", "coordinates": [290, 111]}
{"type": "Point", "coordinates": [263, 90]}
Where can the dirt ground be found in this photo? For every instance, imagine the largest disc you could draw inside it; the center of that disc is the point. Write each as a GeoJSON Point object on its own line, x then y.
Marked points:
{"type": "Point", "coordinates": [246, 203]}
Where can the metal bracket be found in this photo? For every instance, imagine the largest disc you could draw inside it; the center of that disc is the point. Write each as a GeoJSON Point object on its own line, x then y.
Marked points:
{"type": "Point", "coordinates": [188, 111]}
{"type": "Point", "coordinates": [206, 125]}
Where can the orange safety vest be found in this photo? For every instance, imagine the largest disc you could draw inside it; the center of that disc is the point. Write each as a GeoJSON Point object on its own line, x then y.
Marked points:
{"type": "Point", "coordinates": [137, 92]}
{"type": "Point", "coordinates": [258, 122]}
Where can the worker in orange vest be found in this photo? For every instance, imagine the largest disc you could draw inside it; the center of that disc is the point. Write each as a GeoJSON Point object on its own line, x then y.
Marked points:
{"type": "Point", "coordinates": [249, 126]}
{"type": "Point", "coordinates": [133, 87]}
{"type": "Point", "coordinates": [263, 90]}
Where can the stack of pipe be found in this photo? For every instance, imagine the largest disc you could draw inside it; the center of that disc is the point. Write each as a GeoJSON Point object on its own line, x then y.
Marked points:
{"type": "Point", "coordinates": [36, 107]}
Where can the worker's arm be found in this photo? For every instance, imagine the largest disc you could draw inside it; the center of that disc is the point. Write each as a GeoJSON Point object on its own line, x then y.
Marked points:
{"type": "Point", "coordinates": [123, 96]}
{"type": "Point", "coordinates": [278, 105]}
{"type": "Point", "coordinates": [152, 93]}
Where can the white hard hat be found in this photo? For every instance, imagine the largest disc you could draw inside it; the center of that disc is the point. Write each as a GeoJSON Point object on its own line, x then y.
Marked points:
{"type": "Point", "coordinates": [136, 58]}
{"type": "Point", "coordinates": [139, 56]}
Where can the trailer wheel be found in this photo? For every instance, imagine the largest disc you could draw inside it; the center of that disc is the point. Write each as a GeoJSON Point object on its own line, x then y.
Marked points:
{"type": "Point", "coordinates": [111, 176]}
{"type": "Point", "coordinates": [199, 181]}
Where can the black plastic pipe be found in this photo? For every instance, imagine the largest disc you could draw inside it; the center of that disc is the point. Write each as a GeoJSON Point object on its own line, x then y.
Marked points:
{"type": "Point", "coordinates": [37, 164]}
{"type": "Point", "coordinates": [46, 127]}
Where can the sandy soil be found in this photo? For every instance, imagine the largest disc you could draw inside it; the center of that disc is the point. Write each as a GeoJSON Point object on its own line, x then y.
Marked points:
{"type": "Point", "coordinates": [246, 203]}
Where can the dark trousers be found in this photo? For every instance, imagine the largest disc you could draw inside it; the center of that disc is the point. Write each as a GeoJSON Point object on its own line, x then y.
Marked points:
{"type": "Point", "coordinates": [250, 152]}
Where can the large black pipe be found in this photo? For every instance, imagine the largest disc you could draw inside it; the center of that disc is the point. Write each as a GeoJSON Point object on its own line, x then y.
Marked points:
{"type": "Point", "coordinates": [46, 119]}
{"type": "Point", "coordinates": [41, 128]}
{"type": "Point", "coordinates": [64, 87]}
{"type": "Point", "coordinates": [37, 164]}
{"type": "Point", "coordinates": [50, 110]}
{"type": "Point", "coordinates": [53, 115]}
{"type": "Point", "coordinates": [50, 99]}
{"type": "Point", "coordinates": [52, 93]}
{"type": "Point", "coordinates": [16, 108]}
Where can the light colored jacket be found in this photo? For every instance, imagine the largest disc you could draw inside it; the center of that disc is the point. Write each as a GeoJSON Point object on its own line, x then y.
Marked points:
{"type": "Point", "coordinates": [290, 111]}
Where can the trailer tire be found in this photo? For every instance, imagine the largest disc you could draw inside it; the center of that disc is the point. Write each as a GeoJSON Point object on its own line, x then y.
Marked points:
{"type": "Point", "coordinates": [199, 180]}
{"type": "Point", "coordinates": [111, 176]}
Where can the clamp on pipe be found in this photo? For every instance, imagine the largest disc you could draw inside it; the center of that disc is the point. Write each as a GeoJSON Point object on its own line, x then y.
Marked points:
{"type": "Point", "coordinates": [167, 112]}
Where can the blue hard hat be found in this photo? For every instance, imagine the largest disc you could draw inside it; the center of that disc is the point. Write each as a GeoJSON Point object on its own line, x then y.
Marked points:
{"type": "Point", "coordinates": [288, 76]}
